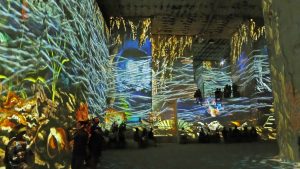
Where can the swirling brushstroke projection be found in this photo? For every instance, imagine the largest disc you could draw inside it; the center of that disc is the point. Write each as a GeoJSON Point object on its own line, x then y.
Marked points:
{"type": "Point", "coordinates": [132, 74]}
{"type": "Point", "coordinates": [53, 56]}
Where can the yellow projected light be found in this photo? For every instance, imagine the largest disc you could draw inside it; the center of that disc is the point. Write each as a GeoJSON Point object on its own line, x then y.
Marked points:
{"type": "Point", "coordinates": [242, 36]}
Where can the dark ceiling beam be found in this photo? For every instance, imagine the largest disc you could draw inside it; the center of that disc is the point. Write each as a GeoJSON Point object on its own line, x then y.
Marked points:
{"type": "Point", "coordinates": [105, 12]}
{"type": "Point", "coordinates": [211, 16]}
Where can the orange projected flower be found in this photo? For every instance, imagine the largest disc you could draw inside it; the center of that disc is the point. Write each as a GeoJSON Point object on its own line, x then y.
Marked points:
{"type": "Point", "coordinates": [7, 123]}
{"type": "Point", "coordinates": [11, 100]}
{"type": "Point", "coordinates": [57, 142]}
{"type": "Point", "coordinates": [112, 115]}
{"type": "Point", "coordinates": [24, 8]}
{"type": "Point", "coordinates": [82, 113]}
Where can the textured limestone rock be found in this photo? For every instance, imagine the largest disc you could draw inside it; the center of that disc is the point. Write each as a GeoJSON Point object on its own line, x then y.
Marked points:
{"type": "Point", "coordinates": [282, 31]}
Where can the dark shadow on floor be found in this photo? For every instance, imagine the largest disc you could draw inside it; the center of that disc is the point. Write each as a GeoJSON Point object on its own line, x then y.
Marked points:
{"type": "Point", "coordinates": [195, 156]}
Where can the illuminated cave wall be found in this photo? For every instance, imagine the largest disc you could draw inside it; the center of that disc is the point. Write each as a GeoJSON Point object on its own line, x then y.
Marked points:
{"type": "Point", "coordinates": [163, 52]}
{"type": "Point", "coordinates": [53, 56]}
{"type": "Point", "coordinates": [171, 79]}
{"type": "Point", "coordinates": [282, 30]}
{"type": "Point", "coordinates": [132, 81]}
{"type": "Point", "coordinates": [178, 90]}
{"type": "Point", "coordinates": [130, 89]}
{"type": "Point", "coordinates": [252, 70]}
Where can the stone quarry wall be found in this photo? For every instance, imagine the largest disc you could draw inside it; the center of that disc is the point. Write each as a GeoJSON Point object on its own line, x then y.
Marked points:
{"type": "Point", "coordinates": [282, 30]}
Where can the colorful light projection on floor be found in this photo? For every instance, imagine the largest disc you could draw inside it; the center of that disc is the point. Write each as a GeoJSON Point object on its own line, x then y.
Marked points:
{"type": "Point", "coordinates": [189, 110]}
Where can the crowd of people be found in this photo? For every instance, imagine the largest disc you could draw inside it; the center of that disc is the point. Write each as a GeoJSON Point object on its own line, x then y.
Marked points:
{"type": "Point", "coordinates": [87, 147]}
{"type": "Point", "coordinates": [116, 136]}
{"type": "Point", "coordinates": [228, 92]}
{"type": "Point", "coordinates": [144, 138]}
{"type": "Point", "coordinates": [229, 135]}
{"type": "Point", "coordinates": [89, 140]}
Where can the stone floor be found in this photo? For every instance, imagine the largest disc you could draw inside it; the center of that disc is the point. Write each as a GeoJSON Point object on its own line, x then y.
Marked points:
{"type": "Point", "coordinates": [196, 156]}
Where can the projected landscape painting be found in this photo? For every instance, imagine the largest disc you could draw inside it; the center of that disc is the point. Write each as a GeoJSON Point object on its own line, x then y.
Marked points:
{"type": "Point", "coordinates": [133, 81]}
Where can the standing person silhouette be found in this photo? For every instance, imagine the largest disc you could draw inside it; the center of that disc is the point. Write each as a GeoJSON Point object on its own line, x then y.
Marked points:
{"type": "Point", "coordinates": [198, 96]}
{"type": "Point", "coordinates": [81, 139]}
{"type": "Point", "coordinates": [95, 143]}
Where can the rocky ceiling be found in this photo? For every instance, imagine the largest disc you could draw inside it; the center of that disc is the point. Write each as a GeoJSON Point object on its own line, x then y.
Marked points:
{"type": "Point", "coordinates": [213, 21]}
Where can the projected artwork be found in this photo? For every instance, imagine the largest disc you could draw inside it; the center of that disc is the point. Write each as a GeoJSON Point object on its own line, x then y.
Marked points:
{"type": "Point", "coordinates": [256, 68]}
{"type": "Point", "coordinates": [180, 85]}
{"type": "Point", "coordinates": [132, 74]}
{"type": "Point", "coordinates": [53, 59]}
{"type": "Point", "coordinates": [55, 69]}
{"type": "Point", "coordinates": [252, 71]}
{"type": "Point", "coordinates": [209, 79]}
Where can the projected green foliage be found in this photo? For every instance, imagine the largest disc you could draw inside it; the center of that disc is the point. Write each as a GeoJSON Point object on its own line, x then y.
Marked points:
{"type": "Point", "coordinates": [4, 38]}
{"type": "Point", "coordinates": [53, 56]}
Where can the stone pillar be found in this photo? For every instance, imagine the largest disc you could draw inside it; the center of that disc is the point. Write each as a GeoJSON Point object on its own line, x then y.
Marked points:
{"type": "Point", "coordinates": [282, 30]}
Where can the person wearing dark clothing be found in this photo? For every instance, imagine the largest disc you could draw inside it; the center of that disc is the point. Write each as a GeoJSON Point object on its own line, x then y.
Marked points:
{"type": "Point", "coordinates": [216, 95]}
{"type": "Point", "coordinates": [114, 133]}
{"type": "Point", "coordinates": [229, 91]}
{"type": "Point", "coordinates": [216, 136]}
{"type": "Point", "coordinates": [144, 132]}
{"type": "Point", "coordinates": [235, 91]}
{"type": "Point", "coordinates": [198, 96]}
{"type": "Point", "coordinates": [245, 135]}
{"type": "Point", "coordinates": [220, 95]}
{"type": "Point", "coordinates": [183, 137]}
{"type": "Point", "coordinates": [121, 135]}
{"type": "Point", "coordinates": [114, 127]}
{"type": "Point", "coordinates": [253, 134]}
{"type": "Point", "coordinates": [79, 153]}
{"type": "Point", "coordinates": [136, 136]}
{"type": "Point", "coordinates": [225, 134]}
{"type": "Point", "coordinates": [151, 136]}
{"type": "Point", "coordinates": [202, 136]}
{"type": "Point", "coordinates": [230, 135]}
{"type": "Point", "coordinates": [95, 143]}
{"type": "Point", "coordinates": [225, 91]}
{"type": "Point", "coordinates": [236, 134]}
{"type": "Point", "coordinates": [144, 138]}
